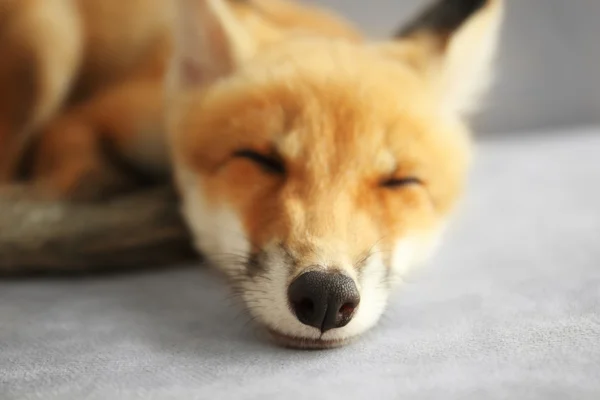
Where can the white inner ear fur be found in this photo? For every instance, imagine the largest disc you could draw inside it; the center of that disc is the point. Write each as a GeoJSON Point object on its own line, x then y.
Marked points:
{"type": "Point", "coordinates": [467, 70]}
{"type": "Point", "coordinates": [209, 42]}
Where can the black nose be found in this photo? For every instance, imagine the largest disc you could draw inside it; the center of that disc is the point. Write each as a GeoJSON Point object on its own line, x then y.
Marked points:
{"type": "Point", "coordinates": [324, 300]}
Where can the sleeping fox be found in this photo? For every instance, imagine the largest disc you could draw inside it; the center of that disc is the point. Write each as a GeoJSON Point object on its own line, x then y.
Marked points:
{"type": "Point", "coordinates": [314, 167]}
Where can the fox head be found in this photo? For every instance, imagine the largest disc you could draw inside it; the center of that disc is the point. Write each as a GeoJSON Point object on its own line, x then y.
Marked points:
{"type": "Point", "coordinates": [316, 171]}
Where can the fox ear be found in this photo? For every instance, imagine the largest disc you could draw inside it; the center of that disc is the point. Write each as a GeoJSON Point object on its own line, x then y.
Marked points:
{"type": "Point", "coordinates": [208, 42]}
{"type": "Point", "coordinates": [455, 43]}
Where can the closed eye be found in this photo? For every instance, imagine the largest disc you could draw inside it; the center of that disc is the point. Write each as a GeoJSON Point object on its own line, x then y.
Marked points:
{"type": "Point", "coordinates": [395, 183]}
{"type": "Point", "coordinates": [269, 163]}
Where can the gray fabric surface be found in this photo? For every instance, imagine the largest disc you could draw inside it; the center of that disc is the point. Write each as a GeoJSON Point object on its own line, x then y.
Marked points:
{"type": "Point", "coordinates": [510, 308]}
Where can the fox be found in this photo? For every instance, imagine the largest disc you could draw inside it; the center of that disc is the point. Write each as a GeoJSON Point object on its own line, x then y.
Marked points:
{"type": "Point", "coordinates": [315, 168]}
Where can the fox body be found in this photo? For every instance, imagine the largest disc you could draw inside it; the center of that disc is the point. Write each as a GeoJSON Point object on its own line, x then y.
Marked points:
{"type": "Point", "coordinates": [79, 77]}
{"type": "Point", "coordinates": [314, 169]}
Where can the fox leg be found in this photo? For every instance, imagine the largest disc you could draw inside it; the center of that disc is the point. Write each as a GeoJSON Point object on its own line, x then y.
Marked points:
{"type": "Point", "coordinates": [69, 162]}
{"type": "Point", "coordinates": [40, 51]}
{"type": "Point", "coordinates": [111, 144]}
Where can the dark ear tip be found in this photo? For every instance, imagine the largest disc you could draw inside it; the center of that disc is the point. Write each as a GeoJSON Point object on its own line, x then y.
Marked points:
{"type": "Point", "coordinates": [443, 16]}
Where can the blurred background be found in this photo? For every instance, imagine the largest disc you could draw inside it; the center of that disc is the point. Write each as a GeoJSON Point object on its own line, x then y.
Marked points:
{"type": "Point", "coordinates": [549, 64]}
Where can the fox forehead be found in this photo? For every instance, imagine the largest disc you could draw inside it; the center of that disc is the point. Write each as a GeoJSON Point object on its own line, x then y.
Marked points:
{"type": "Point", "coordinates": [341, 117]}
{"type": "Point", "coordinates": [320, 105]}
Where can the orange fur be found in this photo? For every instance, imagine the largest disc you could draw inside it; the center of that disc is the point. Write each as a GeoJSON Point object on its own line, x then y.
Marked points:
{"type": "Point", "coordinates": [286, 155]}
{"type": "Point", "coordinates": [40, 45]}
{"type": "Point", "coordinates": [330, 138]}
{"type": "Point", "coordinates": [88, 51]}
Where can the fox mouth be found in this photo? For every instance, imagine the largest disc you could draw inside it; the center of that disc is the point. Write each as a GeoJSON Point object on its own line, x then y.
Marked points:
{"type": "Point", "coordinates": [303, 343]}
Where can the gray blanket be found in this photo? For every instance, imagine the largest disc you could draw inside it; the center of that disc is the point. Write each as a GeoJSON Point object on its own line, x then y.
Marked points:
{"type": "Point", "coordinates": [510, 308]}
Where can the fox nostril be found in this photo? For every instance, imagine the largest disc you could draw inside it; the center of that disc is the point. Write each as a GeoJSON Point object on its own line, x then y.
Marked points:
{"type": "Point", "coordinates": [304, 308]}
{"type": "Point", "coordinates": [345, 313]}
{"type": "Point", "coordinates": [347, 309]}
